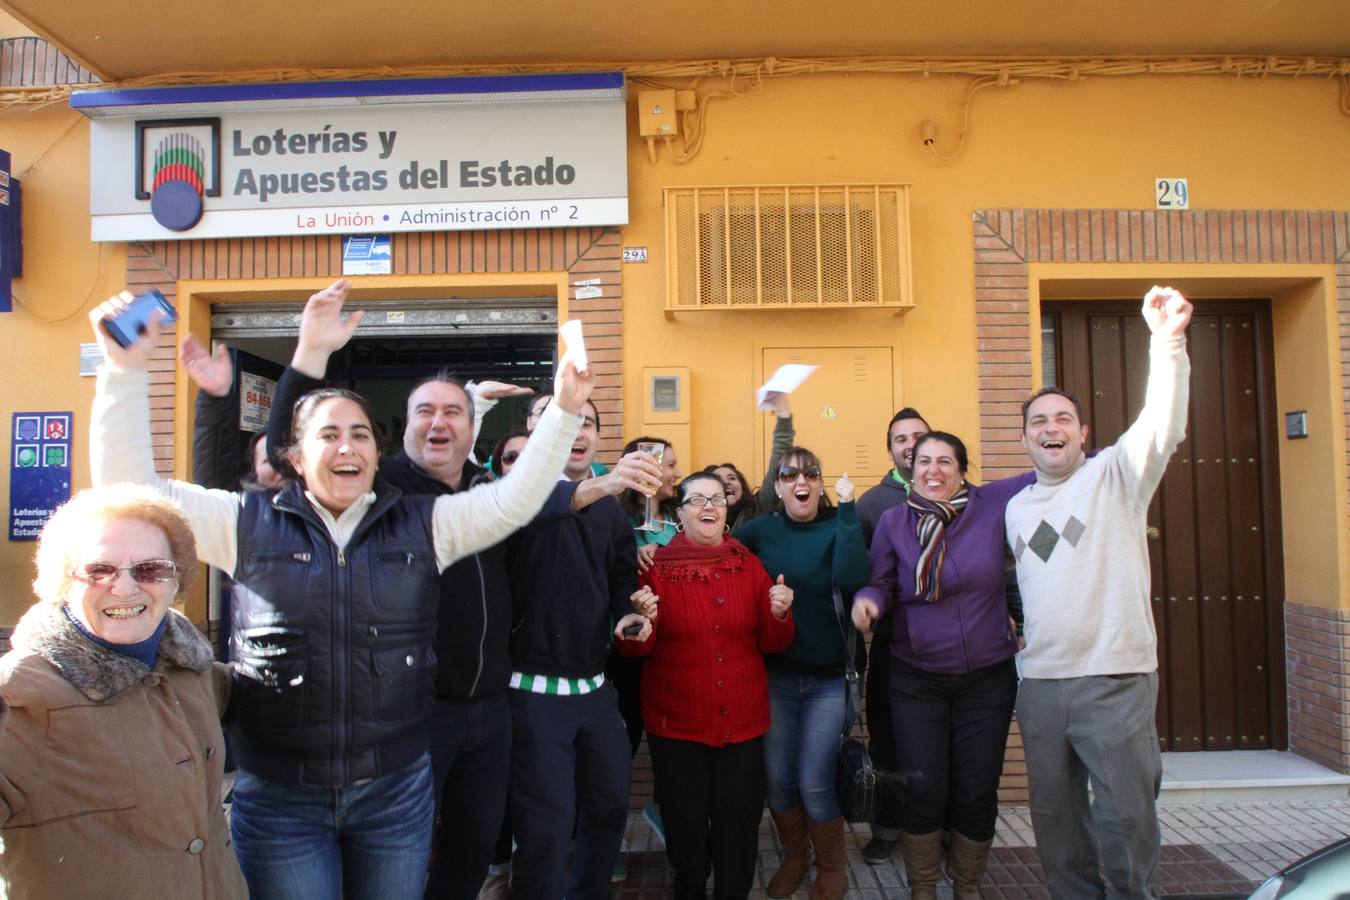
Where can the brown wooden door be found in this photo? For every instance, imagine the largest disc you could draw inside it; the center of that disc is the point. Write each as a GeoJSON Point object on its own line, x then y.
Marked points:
{"type": "Point", "coordinates": [1214, 526]}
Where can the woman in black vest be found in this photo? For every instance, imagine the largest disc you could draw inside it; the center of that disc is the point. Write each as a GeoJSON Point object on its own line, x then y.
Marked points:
{"type": "Point", "coordinates": [334, 618]}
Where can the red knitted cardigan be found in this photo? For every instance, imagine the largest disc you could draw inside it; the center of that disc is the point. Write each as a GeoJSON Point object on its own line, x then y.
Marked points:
{"type": "Point", "coordinates": [704, 679]}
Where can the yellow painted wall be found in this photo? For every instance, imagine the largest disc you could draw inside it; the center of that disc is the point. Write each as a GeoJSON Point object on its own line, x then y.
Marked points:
{"type": "Point", "coordinates": [1307, 347]}
{"type": "Point", "coordinates": [64, 275]}
{"type": "Point", "coordinates": [1091, 144]}
{"type": "Point", "coordinates": [1249, 144]}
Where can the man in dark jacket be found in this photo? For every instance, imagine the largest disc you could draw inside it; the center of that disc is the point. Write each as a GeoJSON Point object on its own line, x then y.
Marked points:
{"type": "Point", "coordinates": [471, 720]}
{"type": "Point", "coordinates": [903, 432]}
{"type": "Point", "coordinates": [571, 579]}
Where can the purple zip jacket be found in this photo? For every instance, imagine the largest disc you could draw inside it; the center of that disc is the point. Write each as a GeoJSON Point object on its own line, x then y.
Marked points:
{"type": "Point", "coordinates": [968, 628]}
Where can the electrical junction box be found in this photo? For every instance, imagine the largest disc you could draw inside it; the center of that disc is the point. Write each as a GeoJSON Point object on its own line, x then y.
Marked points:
{"type": "Point", "coordinates": [656, 114]}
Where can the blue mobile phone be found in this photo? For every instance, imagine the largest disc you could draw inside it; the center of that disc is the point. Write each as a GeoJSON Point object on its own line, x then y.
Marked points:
{"type": "Point", "coordinates": [131, 323]}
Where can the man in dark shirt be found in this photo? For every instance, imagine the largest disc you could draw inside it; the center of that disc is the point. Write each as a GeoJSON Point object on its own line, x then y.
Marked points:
{"type": "Point", "coordinates": [571, 579]}
{"type": "Point", "coordinates": [904, 430]}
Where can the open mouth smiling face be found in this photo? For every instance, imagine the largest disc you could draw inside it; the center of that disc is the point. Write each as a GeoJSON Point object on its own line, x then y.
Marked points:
{"type": "Point", "coordinates": [704, 522]}
{"type": "Point", "coordinates": [338, 456]}
{"type": "Point", "coordinates": [1053, 436]}
{"type": "Point", "coordinates": [800, 487]}
{"type": "Point", "coordinates": [122, 609]}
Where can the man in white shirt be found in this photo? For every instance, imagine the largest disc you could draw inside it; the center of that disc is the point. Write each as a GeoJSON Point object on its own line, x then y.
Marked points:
{"type": "Point", "coordinates": [1089, 685]}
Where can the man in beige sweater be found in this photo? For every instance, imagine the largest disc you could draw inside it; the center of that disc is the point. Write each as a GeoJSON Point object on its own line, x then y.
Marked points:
{"type": "Point", "coordinates": [1089, 684]}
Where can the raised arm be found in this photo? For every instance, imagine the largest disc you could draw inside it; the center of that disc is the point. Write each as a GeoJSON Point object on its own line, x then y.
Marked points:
{"type": "Point", "coordinates": [783, 437]}
{"type": "Point", "coordinates": [215, 425]}
{"type": "Point", "coordinates": [1146, 446]}
{"type": "Point", "coordinates": [292, 385]}
{"type": "Point", "coordinates": [473, 520]}
{"type": "Point", "coordinates": [120, 448]}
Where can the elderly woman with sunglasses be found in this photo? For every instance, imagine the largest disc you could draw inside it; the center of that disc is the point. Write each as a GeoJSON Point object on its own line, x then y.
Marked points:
{"type": "Point", "coordinates": [337, 588]}
{"type": "Point", "coordinates": [816, 549]}
{"type": "Point", "coordinates": [111, 753]}
{"type": "Point", "coordinates": [705, 690]}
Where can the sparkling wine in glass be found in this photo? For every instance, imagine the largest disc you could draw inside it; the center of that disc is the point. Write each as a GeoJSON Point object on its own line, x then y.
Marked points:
{"type": "Point", "coordinates": [657, 450]}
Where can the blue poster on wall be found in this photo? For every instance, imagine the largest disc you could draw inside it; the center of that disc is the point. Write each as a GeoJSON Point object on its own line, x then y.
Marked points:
{"type": "Point", "coordinates": [39, 471]}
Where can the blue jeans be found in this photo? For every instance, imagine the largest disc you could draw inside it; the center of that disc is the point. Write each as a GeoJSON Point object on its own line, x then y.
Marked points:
{"type": "Point", "coordinates": [802, 746]}
{"type": "Point", "coordinates": [366, 841]}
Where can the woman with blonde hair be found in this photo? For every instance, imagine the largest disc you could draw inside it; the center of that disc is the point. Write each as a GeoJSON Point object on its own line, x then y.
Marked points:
{"type": "Point", "coordinates": [111, 753]}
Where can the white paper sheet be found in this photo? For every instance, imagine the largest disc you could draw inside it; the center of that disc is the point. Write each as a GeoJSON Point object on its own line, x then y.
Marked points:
{"type": "Point", "coordinates": [786, 380]}
{"type": "Point", "coordinates": [574, 344]}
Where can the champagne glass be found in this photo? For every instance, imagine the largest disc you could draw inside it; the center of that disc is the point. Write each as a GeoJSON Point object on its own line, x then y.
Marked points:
{"type": "Point", "coordinates": [657, 450]}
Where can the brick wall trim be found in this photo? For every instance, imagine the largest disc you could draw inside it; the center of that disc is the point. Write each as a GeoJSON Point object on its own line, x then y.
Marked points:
{"type": "Point", "coordinates": [1007, 242]}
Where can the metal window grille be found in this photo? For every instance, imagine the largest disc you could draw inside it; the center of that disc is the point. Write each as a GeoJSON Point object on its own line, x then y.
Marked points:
{"type": "Point", "coordinates": [788, 246]}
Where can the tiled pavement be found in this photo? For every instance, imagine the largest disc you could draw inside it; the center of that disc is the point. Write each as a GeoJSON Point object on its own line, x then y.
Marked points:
{"type": "Point", "coordinates": [1220, 851]}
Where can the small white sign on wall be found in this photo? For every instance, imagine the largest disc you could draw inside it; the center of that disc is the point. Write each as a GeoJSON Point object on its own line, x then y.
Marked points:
{"type": "Point", "coordinates": [1171, 193]}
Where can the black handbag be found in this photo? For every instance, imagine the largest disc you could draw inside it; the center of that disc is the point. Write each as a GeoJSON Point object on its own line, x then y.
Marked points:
{"type": "Point", "coordinates": [856, 780]}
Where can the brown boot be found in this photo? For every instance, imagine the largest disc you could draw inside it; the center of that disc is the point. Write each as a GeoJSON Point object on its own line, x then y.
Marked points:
{"type": "Point", "coordinates": [923, 856]}
{"type": "Point", "coordinates": [966, 862]}
{"type": "Point", "coordinates": [796, 857]}
{"type": "Point", "coordinates": [828, 840]}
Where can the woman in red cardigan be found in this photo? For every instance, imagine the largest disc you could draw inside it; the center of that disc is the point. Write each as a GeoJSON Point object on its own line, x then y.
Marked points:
{"type": "Point", "coordinates": [705, 691]}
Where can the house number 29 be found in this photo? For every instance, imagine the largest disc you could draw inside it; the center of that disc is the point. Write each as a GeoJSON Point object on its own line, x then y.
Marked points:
{"type": "Point", "coordinates": [1171, 193]}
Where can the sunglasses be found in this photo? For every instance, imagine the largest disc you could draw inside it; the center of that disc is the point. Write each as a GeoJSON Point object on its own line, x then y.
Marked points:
{"type": "Point", "coordinates": [510, 456]}
{"type": "Point", "coordinates": [150, 571]}
{"type": "Point", "coordinates": [790, 473]}
{"type": "Point", "coordinates": [698, 501]}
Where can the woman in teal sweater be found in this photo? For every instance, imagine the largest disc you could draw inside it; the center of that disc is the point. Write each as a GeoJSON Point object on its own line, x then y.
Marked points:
{"type": "Point", "coordinates": [811, 547]}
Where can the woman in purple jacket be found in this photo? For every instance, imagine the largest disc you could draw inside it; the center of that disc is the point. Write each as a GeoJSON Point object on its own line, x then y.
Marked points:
{"type": "Point", "coordinates": [940, 558]}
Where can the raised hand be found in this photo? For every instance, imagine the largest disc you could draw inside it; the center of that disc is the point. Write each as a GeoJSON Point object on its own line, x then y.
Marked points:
{"type": "Point", "coordinates": [323, 331]}
{"type": "Point", "coordinates": [213, 372]}
{"type": "Point", "coordinates": [780, 599]}
{"type": "Point", "coordinates": [571, 389]}
{"type": "Point", "coordinates": [644, 632]}
{"type": "Point", "coordinates": [136, 356]}
{"type": "Point", "coordinates": [498, 390]}
{"type": "Point", "coordinates": [865, 612]}
{"type": "Point", "coordinates": [844, 489]}
{"type": "Point", "coordinates": [779, 403]}
{"type": "Point", "coordinates": [1167, 312]}
{"type": "Point", "coordinates": [645, 602]}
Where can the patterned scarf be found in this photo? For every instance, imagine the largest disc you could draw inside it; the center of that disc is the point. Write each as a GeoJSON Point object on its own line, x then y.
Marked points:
{"type": "Point", "coordinates": [934, 517]}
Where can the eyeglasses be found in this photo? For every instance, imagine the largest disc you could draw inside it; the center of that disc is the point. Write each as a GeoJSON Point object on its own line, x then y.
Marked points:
{"type": "Point", "coordinates": [790, 473]}
{"type": "Point", "coordinates": [149, 571]}
{"type": "Point", "coordinates": [510, 456]}
{"type": "Point", "coordinates": [698, 501]}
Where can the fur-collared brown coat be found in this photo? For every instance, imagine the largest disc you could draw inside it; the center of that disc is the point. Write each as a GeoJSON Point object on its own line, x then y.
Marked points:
{"type": "Point", "coordinates": [109, 772]}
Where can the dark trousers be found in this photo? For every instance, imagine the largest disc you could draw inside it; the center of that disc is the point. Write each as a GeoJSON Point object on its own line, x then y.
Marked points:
{"type": "Point", "coordinates": [569, 763]}
{"type": "Point", "coordinates": [626, 676]}
{"type": "Point", "coordinates": [712, 802]}
{"type": "Point", "coordinates": [880, 729]}
{"type": "Point", "coordinates": [952, 730]}
{"type": "Point", "coordinates": [470, 753]}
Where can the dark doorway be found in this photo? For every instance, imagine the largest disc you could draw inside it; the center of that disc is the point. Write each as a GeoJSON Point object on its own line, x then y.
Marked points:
{"type": "Point", "coordinates": [1214, 525]}
{"type": "Point", "coordinates": [384, 368]}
